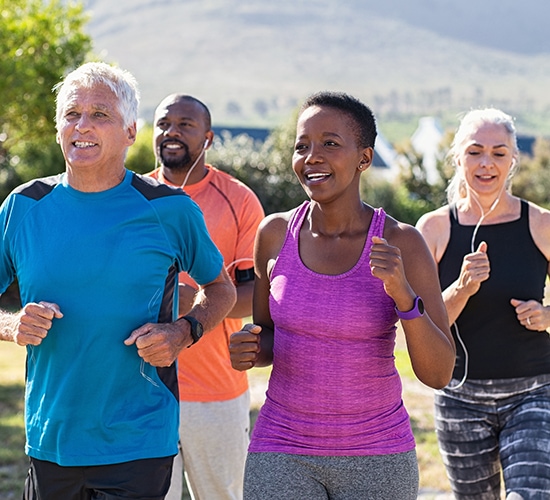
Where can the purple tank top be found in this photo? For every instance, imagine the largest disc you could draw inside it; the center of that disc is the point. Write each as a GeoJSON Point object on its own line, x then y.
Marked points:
{"type": "Point", "coordinates": [334, 389]}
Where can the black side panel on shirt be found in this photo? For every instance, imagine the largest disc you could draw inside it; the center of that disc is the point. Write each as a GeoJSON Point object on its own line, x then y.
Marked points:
{"type": "Point", "coordinates": [169, 374]}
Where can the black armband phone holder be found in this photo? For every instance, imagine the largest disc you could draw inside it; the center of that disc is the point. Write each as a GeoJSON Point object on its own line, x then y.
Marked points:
{"type": "Point", "coordinates": [243, 275]}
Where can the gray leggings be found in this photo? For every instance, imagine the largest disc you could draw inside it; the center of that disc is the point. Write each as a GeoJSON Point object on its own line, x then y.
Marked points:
{"type": "Point", "coordinates": [299, 477]}
{"type": "Point", "coordinates": [489, 425]}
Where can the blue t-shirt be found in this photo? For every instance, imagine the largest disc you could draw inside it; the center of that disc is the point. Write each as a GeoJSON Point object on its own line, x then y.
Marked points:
{"type": "Point", "coordinates": [110, 260]}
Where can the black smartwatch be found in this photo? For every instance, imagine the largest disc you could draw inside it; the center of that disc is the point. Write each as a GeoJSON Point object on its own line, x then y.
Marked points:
{"type": "Point", "coordinates": [196, 328]}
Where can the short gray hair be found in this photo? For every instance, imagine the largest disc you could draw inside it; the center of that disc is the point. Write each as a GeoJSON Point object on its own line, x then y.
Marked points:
{"type": "Point", "coordinates": [121, 82]}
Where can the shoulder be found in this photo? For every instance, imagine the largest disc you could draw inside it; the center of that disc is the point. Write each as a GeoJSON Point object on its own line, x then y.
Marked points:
{"type": "Point", "coordinates": [434, 222]}
{"type": "Point", "coordinates": [435, 228]}
{"type": "Point", "coordinates": [151, 189]}
{"type": "Point", "coordinates": [231, 187]}
{"type": "Point", "coordinates": [38, 188]}
{"type": "Point", "coordinates": [539, 225]}
{"type": "Point", "coordinates": [276, 223]}
{"type": "Point", "coordinates": [401, 234]}
{"type": "Point", "coordinates": [218, 176]}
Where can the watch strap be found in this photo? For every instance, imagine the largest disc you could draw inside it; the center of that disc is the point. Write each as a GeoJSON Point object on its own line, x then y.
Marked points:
{"type": "Point", "coordinates": [415, 312]}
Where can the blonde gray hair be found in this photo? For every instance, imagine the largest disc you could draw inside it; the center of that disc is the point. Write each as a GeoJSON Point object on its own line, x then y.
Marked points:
{"type": "Point", "coordinates": [471, 120]}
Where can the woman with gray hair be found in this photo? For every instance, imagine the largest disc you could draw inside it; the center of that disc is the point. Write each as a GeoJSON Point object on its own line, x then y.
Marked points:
{"type": "Point", "coordinates": [493, 251]}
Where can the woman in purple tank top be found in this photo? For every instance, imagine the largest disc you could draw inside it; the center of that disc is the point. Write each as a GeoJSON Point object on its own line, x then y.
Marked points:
{"type": "Point", "coordinates": [332, 278]}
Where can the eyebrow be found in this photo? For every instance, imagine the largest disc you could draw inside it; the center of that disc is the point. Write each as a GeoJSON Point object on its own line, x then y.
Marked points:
{"type": "Point", "coordinates": [496, 146]}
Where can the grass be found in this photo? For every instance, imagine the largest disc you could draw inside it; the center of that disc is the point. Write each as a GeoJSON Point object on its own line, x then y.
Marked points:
{"type": "Point", "coordinates": [13, 461]}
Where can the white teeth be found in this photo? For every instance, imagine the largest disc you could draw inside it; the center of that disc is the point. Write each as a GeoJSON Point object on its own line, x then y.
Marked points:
{"type": "Point", "coordinates": [172, 146]}
{"type": "Point", "coordinates": [316, 177]}
{"type": "Point", "coordinates": [81, 144]}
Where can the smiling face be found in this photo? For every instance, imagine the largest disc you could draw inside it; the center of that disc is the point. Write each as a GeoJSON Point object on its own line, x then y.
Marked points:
{"type": "Point", "coordinates": [92, 134]}
{"type": "Point", "coordinates": [486, 156]}
{"type": "Point", "coordinates": [181, 131]}
{"type": "Point", "coordinates": [326, 156]}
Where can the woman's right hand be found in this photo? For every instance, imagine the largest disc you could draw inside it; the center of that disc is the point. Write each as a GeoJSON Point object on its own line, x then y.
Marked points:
{"type": "Point", "coordinates": [244, 347]}
{"type": "Point", "coordinates": [475, 269]}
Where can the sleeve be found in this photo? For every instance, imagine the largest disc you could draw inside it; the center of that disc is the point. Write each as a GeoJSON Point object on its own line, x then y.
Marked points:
{"type": "Point", "coordinates": [250, 215]}
{"type": "Point", "coordinates": [7, 271]}
{"type": "Point", "coordinates": [196, 253]}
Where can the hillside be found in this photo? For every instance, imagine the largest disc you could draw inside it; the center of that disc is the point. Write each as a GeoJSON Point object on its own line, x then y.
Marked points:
{"type": "Point", "coordinates": [252, 61]}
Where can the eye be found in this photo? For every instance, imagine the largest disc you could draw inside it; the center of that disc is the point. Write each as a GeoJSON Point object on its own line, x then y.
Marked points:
{"type": "Point", "coordinates": [300, 147]}
{"type": "Point", "coordinates": [331, 143]}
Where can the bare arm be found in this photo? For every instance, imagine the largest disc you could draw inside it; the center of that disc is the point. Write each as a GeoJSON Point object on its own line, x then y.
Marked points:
{"type": "Point", "coordinates": [31, 325]}
{"type": "Point", "coordinates": [243, 306]}
{"type": "Point", "coordinates": [407, 269]}
{"type": "Point", "coordinates": [159, 344]}
{"type": "Point", "coordinates": [435, 228]}
{"type": "Point", "coordinates": [253, 345]}
{"type": "Point", "coordinates": [241, 309]}
{"type": "Point", "coordinates": [531, 313]}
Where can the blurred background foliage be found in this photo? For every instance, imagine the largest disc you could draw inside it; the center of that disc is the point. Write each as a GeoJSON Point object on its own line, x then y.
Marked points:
{"type": "Point", "coordinates": [43, 40]}
{"type": "Point", "coordinates": [40, 41]}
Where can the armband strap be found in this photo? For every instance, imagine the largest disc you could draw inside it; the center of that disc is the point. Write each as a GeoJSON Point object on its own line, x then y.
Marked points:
{"type": "Point", "coordinates": [242, 275]}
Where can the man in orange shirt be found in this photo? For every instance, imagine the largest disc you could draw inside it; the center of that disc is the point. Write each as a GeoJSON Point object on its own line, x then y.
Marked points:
{"type": "Point", "coordinates": [214, 398]}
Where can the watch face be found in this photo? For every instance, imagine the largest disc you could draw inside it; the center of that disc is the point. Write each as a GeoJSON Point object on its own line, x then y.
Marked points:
{"type": "Point", "coordinates": [199, 329]}
{"type": "Point", "coordinates": [420, 306]}
{"type": "Point", "coordinates": [196, 328]}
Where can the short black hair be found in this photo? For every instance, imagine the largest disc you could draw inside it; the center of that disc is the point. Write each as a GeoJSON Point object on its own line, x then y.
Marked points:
{"type": "Point", "coordinates": [190, 98]}
{"type": "Point", "coordinates": [362, 116]}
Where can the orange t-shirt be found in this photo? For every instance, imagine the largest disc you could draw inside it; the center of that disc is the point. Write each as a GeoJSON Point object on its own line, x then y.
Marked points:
{"type": "Point", "coordinates": [232, 213]}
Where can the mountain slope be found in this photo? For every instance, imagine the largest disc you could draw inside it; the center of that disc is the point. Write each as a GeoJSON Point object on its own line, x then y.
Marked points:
{"type": "Point", "coordinates": [252, 61]}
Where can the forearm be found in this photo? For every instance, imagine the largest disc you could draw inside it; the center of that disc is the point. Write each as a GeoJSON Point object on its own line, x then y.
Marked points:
{"type": "Point", "coordinates": [431, 350]}
{"type": "Point", "coordinates": [213, 303]}
{"type": "Point", "coordinates": [455, 299]}
{"type": "Point", "coordinates": [243, 305]}
{"type": "Point", "coordinates": [265, 356]}
{"type": "Point", "coordinates": [8, 324]}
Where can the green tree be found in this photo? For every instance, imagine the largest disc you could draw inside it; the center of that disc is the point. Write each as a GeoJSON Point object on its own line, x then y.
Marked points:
{"type": "Point", "coordinates": [266, 167]}
{"type": "Point", "coordinates": [39, 42]}
{"type": "Point", "coordinates": [141, 158]}
{"type": "Point", "coordinates": [532, 181]}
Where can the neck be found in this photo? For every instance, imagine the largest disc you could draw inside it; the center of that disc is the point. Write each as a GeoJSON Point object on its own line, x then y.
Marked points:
{"type": "Point", "coordinates": [487, 208]}
{"type": "Point", "coordinates": [181, 177]}
{"type": "Point", "coordinates": [93, 182]}
{"type": "Point", "coordinates": [335, 221]}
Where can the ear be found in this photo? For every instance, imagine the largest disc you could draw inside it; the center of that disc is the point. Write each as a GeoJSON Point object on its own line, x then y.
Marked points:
{"type": "Point", "coordinates": [132, 133]}
{"type": "Point", "coordinates": [366, 158]}
{"type": "Point", "coordinates": [57, 139]}
{"type": "Point", "coordinates": [209, 139]}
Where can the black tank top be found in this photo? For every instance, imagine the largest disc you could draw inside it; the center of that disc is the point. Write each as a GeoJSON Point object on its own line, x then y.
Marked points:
{"type": "Point", "coordinates": [498, 345]}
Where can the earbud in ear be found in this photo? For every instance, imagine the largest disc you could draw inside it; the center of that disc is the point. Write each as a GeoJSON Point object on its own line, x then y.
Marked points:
{"type": "Point", "coordinates": [205, 144]}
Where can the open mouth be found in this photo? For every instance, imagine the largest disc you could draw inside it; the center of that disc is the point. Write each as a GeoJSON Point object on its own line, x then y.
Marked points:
{"type": "Point", "coordinates": [316, 176]}
{"type": "Point", "coordinates": [83, 144]}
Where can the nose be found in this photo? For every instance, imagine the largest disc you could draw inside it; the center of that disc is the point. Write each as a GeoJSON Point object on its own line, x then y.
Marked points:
{"type": "Point", "coordinates": [313, 154]}
{"type": "Point", "coordinates": [171, 130]}
{"type": "Point", "coordinates": [485, 160]}
{"type": "Point", "coordinates": [83, 123]}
